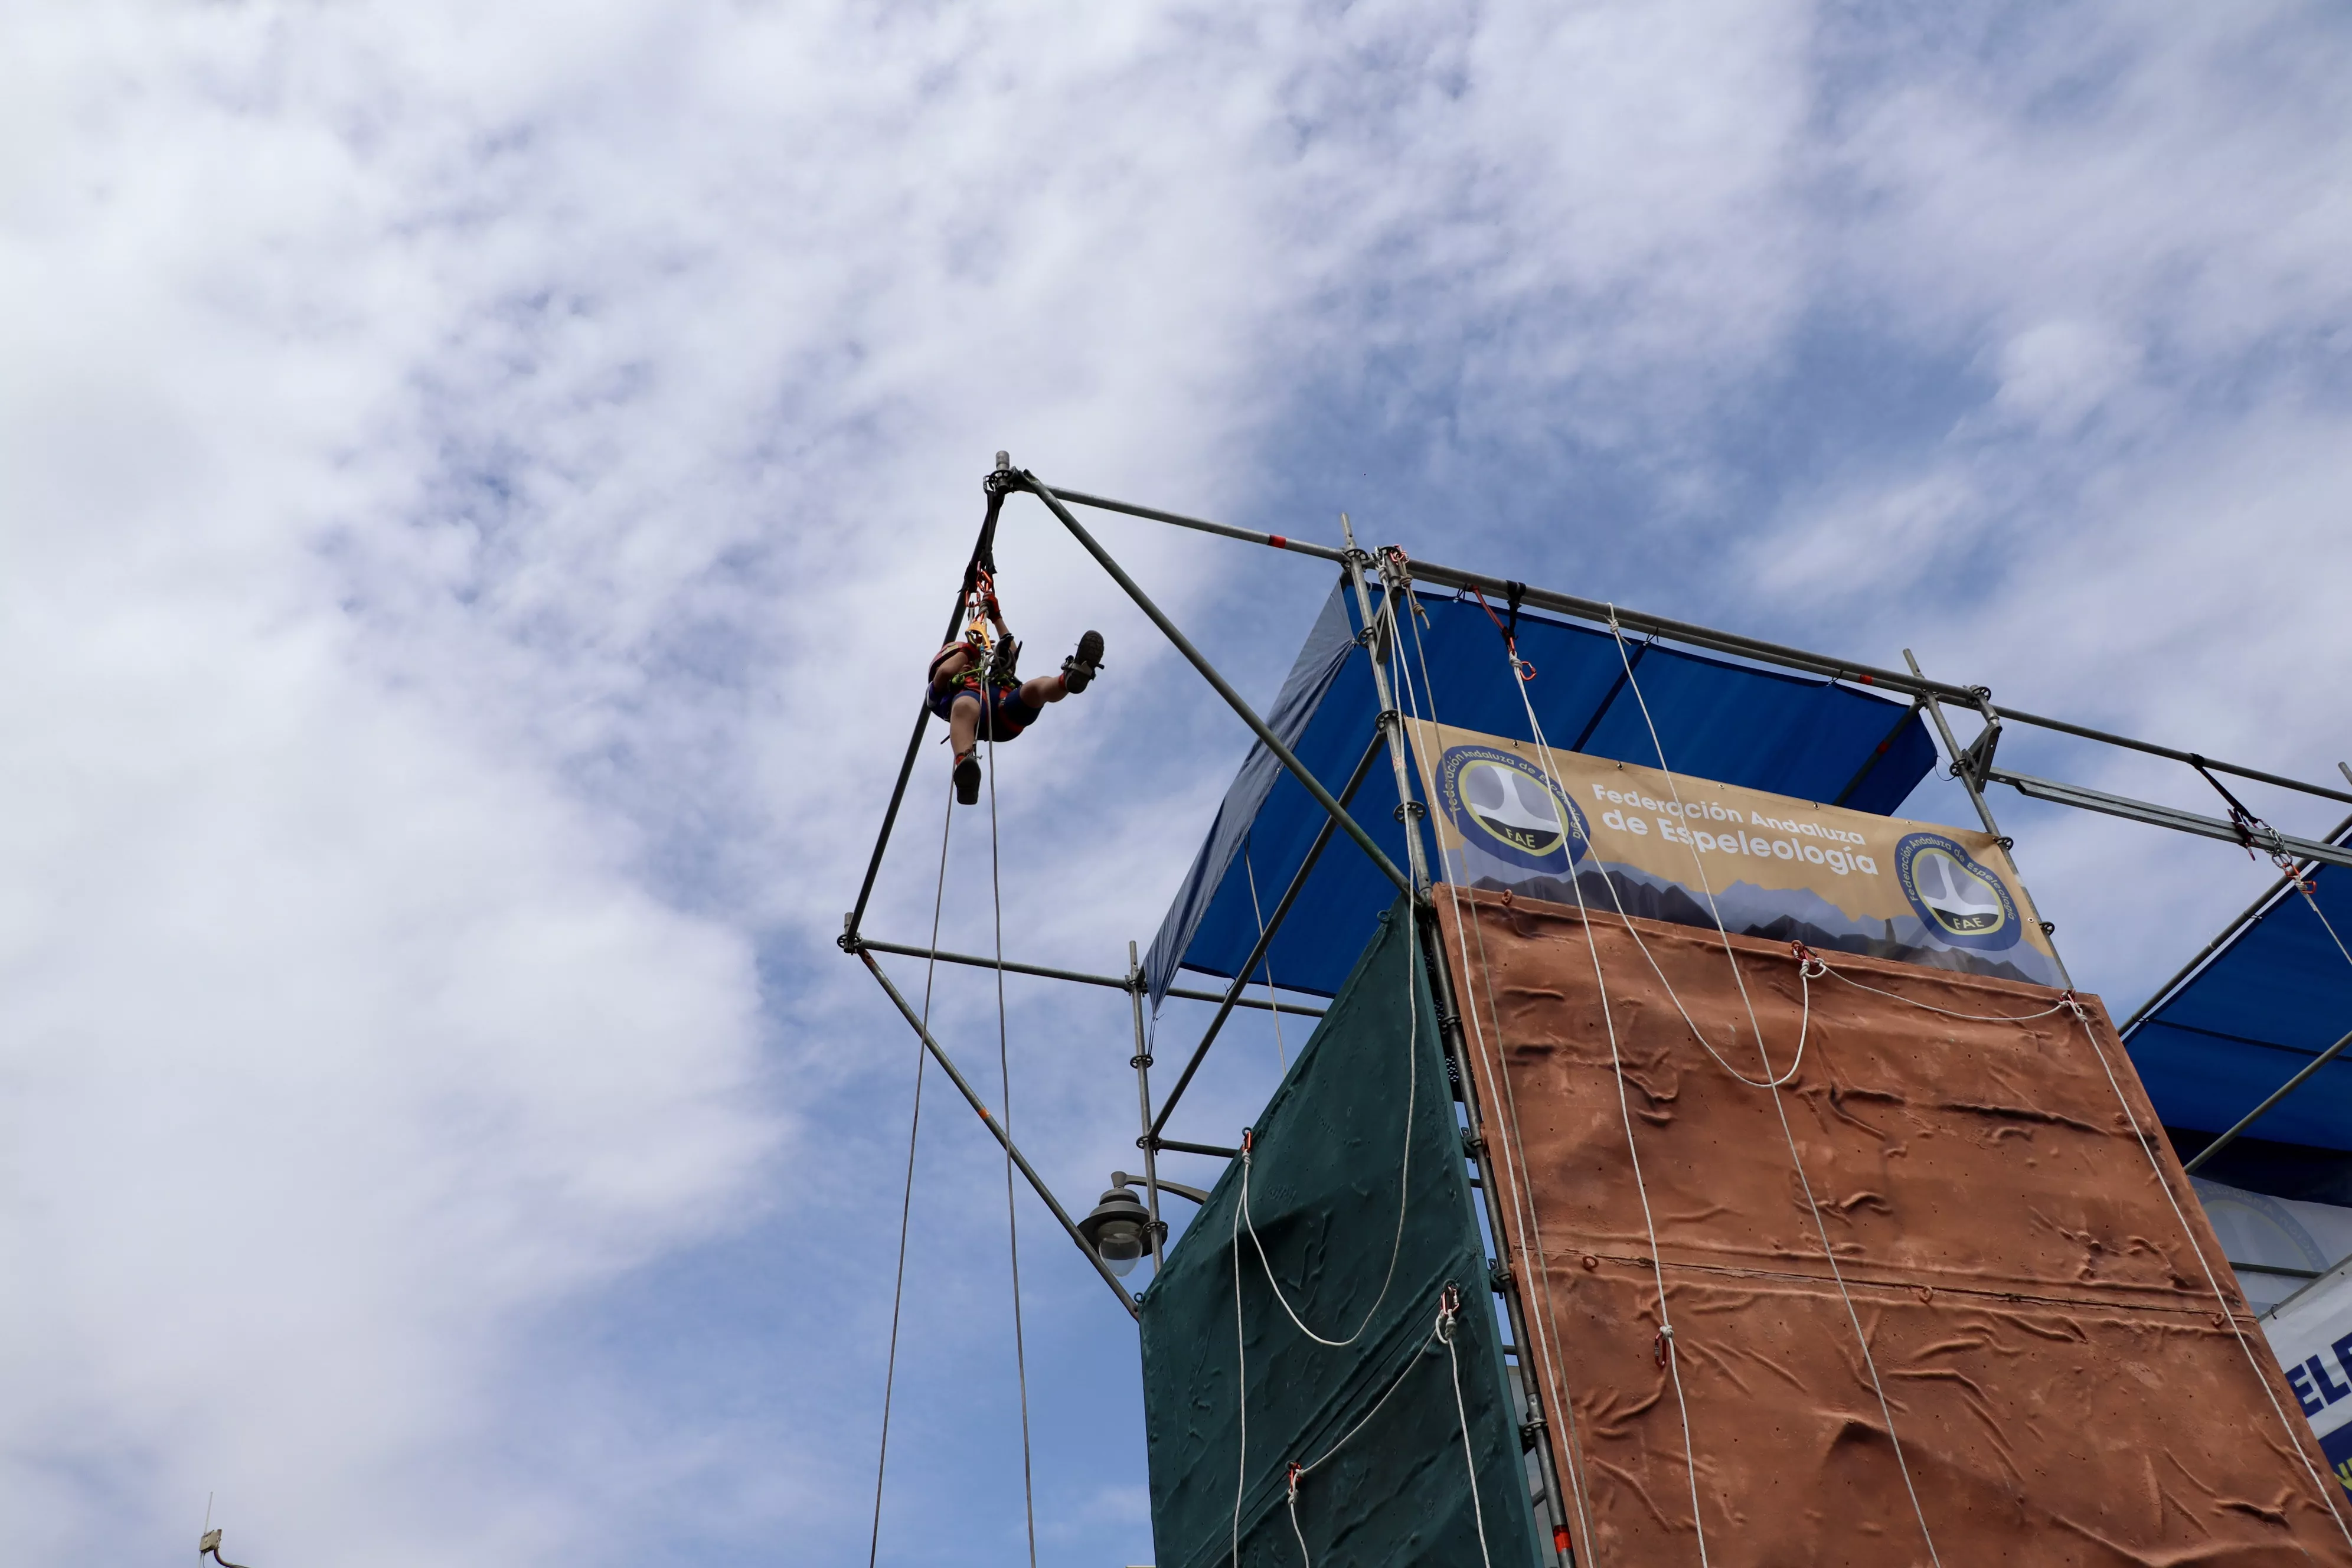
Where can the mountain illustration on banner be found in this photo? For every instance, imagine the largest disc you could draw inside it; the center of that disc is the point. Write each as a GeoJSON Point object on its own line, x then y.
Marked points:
{"type": "Point", "coordinates": [1507, 817]}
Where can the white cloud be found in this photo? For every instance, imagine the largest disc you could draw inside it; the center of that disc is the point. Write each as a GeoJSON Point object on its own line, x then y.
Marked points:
{"type": "Point", "coordinates": [474, 479]}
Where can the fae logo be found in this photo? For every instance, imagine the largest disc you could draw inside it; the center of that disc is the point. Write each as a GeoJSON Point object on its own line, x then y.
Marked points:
{"type": "Point", "coordinates": [1504, 805]}
{"type": "Point", "coordinates": [1961, 902]}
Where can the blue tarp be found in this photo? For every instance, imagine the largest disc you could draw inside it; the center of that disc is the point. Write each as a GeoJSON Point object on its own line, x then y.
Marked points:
{"type": "Point", "coordinates": [2278, 995]}
{"type": "Point", "coordinates": [1792, 735]}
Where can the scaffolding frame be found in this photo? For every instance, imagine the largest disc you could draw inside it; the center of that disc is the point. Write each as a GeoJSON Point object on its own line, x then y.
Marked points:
{"type": "Point", "coordinates": [1971, 763]}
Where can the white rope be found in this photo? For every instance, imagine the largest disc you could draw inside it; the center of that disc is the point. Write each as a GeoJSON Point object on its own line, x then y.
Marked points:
{"type": "Point", "coordinates": [2302, 885]}
{"type": "Point", "coordinates": [1779, 1107]}
{"type": "Point", "coordinates": [1698, 861]}
{"type": "Point", "coordinates": [1273, 1003]}
{"type": "Point", "coordinates": [1405, 1174]}
{"type": "Point", "coordinates": [2328, 1489]}
{"type": "Point", "coordinates": [1004, 1069]}
{"type": "Point", "coordinates": [1625, 1113]}
{"type": "Point", "coordinates": [1240, 1391]}
{"type": "Point", "coordinates": [906, 1202]}
{"type": "Point", "coordinates": [2059, 1005]}
{"type": "Point", "coordinates": [1440, 1332]}
{"type": "Point", "coordinates": [1546, 1323]}
{"type": "Point", "coordinates": [1445, 1315]}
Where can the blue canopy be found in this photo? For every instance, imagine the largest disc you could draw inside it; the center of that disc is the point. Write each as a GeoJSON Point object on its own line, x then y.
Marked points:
{"type": "Point", "coordinates": [2277, 994]}
{"type": "Point", "coordinates": [1812, 739]}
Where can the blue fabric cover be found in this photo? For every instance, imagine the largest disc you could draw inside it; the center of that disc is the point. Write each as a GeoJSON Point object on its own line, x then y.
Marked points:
{"type": "Point", "coordinates": [1719, 720]}
{"type": "Point", "coordinates": [2277, 997]}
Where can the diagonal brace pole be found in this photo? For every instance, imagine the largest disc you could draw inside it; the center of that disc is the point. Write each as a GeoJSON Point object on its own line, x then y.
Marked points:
{"type": "Point", "coordinates": [1266, 737]}
{"type": "Point", "coordinates": [996, 1128]}
{"type": "Point", "coordinates": [1265, 940]}
{"type": "Point", "coordinates": [2259, 1111]}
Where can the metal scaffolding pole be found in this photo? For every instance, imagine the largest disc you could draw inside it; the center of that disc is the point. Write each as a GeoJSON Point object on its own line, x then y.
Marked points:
{"type": "Point", "coordinates": [996, 1130]}
{"type": "Point", "coordinates": [1420, 911]}
{"type": "Point", "coordinates": [2270, 898]}
{"type": "Point", "coordinates": [1184, 644]}
{"type": "Point", "coordinates": [1232, 997]}
{"type": "Point", "coordinates": [1965, 764]}
{"type": "Point", "coordinates": [1109, 982]}
{"type": "Point", "coordinates": [1598, 612]}
{"type": "Point", "coordinates": [2259, 1111]}
{"type": "Point", "coordinates": [1141, 1063]}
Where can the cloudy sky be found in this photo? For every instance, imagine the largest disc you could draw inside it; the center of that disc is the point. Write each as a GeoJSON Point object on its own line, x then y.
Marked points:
{"type": "Point", "coordinates": [480, 482]}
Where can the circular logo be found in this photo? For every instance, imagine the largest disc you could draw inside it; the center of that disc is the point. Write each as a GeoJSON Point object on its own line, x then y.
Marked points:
{"type": "Point", "coordinates": [1503, 804]}
{"type": "Point", "coordinates": [1961, 902]}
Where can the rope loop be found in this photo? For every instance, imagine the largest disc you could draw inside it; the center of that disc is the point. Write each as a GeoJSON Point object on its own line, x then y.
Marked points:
{"type": "Point", "coordinates": [1811, 965]}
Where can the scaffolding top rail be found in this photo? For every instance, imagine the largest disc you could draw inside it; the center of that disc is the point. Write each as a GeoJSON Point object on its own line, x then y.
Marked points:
{"type": "Point", "coordinates": [1975, 698]}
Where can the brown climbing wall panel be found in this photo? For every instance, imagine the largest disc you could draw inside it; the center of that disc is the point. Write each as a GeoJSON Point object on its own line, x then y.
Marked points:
{"type": "Point", "coordinates": [2064, 1382]}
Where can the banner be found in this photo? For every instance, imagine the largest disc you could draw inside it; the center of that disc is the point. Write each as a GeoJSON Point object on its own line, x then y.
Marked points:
{"type": "Point", "coordinates": [2311, 1333]}
{"type": "Point", "coordinates": [1785, 869]}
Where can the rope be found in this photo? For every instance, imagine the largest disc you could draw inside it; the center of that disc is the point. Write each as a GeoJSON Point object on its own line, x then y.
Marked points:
{"type": "Point", "coordinates": [1273, 1002]}
{"type": "Point", "coordinates": [1404, 1179]}
{"type": "Point", "coordinates": [1445, 1315]}
{"type": "Point", "coordinates": [1004, 1070]}
{"type": "Point", "coordinates": [1448, 1309]}
{"type": "Point", "coordinates": [2326, 1490]}
{"type": "Point", "coordinates": [1780, 1106]}
{"type": "Point", "coordinates": [1546, 1322]}
{"type": "Point", "coordinates": [2302, 885]}
{"type": "Point", "coordinates": [1241, 1388]}
{"type": "Point", "coordinates": [2156, 1168]}
{"type": "Point", "coordinates": [1668, 1358]}
{"type": "Point", "coordinates": [906, 1203]}
{"type": "Point", "coordinates": [1667, 1355]}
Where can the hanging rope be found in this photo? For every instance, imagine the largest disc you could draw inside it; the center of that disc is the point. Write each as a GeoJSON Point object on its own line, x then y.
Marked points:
{"type": "Point", "coordinates": [1667, 1355]}
{"type": "Point", "coordinates": [1546, 1323]}
{"type": "Point", "coordinates": [1449, 1310]}
{"type": "Point", "coordinates": [1243, 1218]}
{"type": "Point", "coordinates": [1404, 1181]}
{"type": "Point", "coordinates": [1780, 1106]}
{"type": "Point", "coordinates": [907, 1203]}
{"type": "Point", "coordinates": [2069, 1002]}
{"type": "Point", "coordinates": [1273, 1002]}
{"type": "Point", "coordinates": [1004, 1070]}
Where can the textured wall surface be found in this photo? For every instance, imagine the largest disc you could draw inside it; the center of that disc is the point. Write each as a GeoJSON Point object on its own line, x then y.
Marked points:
{"type": "Point", "coordinates": [2066, 1383]}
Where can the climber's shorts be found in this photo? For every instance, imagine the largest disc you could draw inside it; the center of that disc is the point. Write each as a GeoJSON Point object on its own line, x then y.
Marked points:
{"type": "Point", "coordinates": [1007, 717]}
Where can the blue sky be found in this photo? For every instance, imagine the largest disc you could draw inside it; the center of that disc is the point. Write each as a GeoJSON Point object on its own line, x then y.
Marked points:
{"type": "Point", "coordinates": [479, 483]}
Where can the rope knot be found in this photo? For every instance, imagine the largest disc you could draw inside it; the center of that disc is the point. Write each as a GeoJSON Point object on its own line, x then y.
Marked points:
{"type": "Point", "coordinates": [1811, 965]}
{"type": "Point", "coordinates": [2072, 1006]}
{"type": "Point", "coordinates": [1249, 1137]}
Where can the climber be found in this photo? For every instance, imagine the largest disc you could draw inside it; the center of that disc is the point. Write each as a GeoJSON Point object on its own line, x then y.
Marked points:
{"type": "Point", "coordinates": [976, 689]}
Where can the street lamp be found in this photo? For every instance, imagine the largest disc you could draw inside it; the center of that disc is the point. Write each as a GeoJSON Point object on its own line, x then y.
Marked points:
{"type": "Point", "coordinates": [1118, 1229]}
